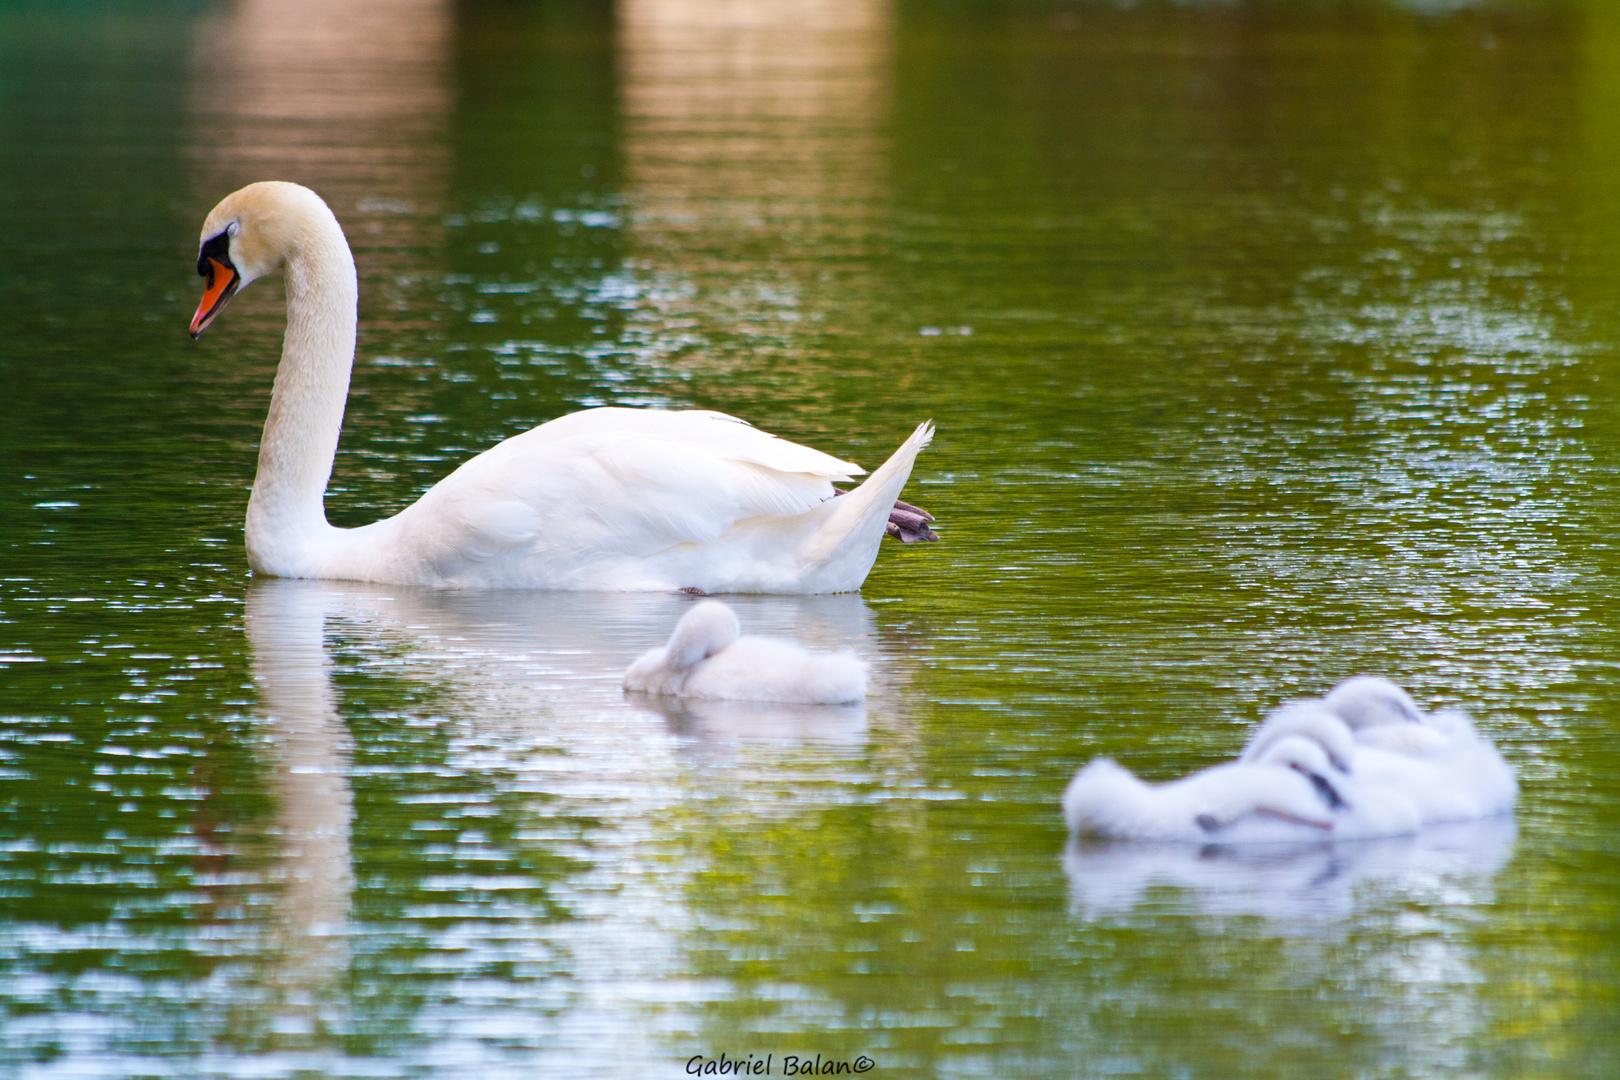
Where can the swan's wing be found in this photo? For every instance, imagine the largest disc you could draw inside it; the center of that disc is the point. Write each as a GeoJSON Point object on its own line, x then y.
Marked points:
{"type": "Point", "coordinates": [715, 432]}
{"type": "Point", "coordinates": [619, 487]}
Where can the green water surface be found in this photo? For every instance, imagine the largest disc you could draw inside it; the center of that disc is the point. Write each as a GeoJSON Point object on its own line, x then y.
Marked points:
{"type": "Point", "coordinates": [1268, 344]}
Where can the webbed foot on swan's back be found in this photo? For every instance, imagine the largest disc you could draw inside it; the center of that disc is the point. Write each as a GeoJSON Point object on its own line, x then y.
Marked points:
{"type": "Point", "coordinates": [908, 523]}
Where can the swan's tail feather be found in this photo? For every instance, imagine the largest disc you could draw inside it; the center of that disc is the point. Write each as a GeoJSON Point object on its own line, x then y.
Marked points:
{"type": "Point", "coordinates": [848, 537]}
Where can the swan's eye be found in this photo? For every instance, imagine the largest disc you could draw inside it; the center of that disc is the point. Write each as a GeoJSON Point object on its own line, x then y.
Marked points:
{"type": "Point", "coordinates": [216, 249]}
{"type": "Point", "coordinates": [1329, 794]}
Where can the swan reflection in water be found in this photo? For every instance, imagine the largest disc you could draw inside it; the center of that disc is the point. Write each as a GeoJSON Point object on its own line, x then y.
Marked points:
{"type": "Point", "coordinates": [713, 730]}
{"type": "Point", "coordinates": [1299, 887]}
{"type": "Point", "coordinates": [513, 661]}
{"type": "Point", "coordinates": [308, 752]}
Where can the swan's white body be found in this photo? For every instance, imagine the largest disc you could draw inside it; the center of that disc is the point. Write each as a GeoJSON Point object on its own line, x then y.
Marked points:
{"type": "Point", "coordinates": [706, 658]}
{"type": "Point", "coordinates": [1362, 762]}
{"type": "Point", "coordinates": [605, 499]}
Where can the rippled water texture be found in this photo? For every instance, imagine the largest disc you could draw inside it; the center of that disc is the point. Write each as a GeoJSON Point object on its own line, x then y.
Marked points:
{"type": "Point", "coordinates": [1268, 344]}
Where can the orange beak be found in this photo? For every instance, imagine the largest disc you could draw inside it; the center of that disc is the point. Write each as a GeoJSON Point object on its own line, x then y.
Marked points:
{"type": "Point", "coordinates": [222, 283]}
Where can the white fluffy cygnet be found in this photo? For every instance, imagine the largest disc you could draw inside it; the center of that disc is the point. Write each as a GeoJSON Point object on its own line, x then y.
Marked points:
{"type": "Point", "coordinates": [1438, 760]}
{"type": "Point", "coordinates": [1368, 701]}
{"type": "Point", "coordinates": [1271, 798]}
{"type": "Point", "coordinates": [1383, 715]}
{"type": "Point", "coordinates": [1360, 763]}
{"type": "Point", "coordinates": [1310, 720]}
{"type": "Point", "coordinates": [706, 658]}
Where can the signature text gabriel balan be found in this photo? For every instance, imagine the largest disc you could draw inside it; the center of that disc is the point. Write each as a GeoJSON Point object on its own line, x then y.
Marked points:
{"type": "Point", "coordinates": [792, 1065]}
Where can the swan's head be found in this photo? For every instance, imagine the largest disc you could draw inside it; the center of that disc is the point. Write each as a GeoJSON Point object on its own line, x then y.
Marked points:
{"type": "Point", "coordinates": [1368, 701]}
{"type": "Point", "coordinates": [252, 233]}
{"type": "Point", "coordinates": [1311, 720]}
{"type": "Point", "coordinates": [1308, 758]}
{"type": "Point", "coordinates": [705, 630]}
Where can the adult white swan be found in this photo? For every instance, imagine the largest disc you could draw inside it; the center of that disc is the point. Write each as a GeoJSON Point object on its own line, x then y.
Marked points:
{"type": "Point", "coordinates": [604, 499]}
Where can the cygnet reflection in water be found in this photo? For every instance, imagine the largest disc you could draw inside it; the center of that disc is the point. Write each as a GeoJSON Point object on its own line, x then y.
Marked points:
{"type": "Point", "coordinates": [715, 731]}
{"type": "Point", "coordinates": [1301, 886]}
{"type": "Point", "coordinates": [1362, 762]}
{"type": "Point", "coordinates": [533, 664]}
{"type": "Point", "coordinates": [707, 658]}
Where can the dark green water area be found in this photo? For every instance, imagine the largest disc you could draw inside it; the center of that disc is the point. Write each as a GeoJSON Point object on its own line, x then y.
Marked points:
{"type": "Point", "coordinates": [1268, 343]}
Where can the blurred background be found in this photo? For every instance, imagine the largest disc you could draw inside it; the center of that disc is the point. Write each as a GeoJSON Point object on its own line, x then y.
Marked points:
{"type": "Point", "coordinates": [1268, 343]}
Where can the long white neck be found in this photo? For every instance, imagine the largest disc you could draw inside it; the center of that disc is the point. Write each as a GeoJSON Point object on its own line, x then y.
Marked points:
{"type": "Point", "coordinates": [286, 516]}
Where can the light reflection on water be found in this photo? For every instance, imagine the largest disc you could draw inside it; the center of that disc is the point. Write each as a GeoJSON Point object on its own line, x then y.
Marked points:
{"type": "Point", "coordinates": [1311, 889]}
{"type": "Point", "coordinates": [349, 99]}
{"type": "Point", "coordinates": [527, 688]}
{"type": "Point", "coordinates": [1325, 902]}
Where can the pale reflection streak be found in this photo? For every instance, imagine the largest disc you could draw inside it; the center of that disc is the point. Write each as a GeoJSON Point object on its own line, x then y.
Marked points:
{"type": "Point", "coordinates": [1304, 889]}
{"type": "Point", "coordinates": [349, 98]}
{"type": "Point", "coordinates": [531, 666]}
{"type": "Point", "coordinates": [1428, 887]}
{"type": "Point", "coordinates": [753, 130]}
{"type": "Point", "coordinates": [309, 752]}
{"type": "Point", "coordinates": [347, 95]}
{"type": "Point", "coordinates": [1415, 896]}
